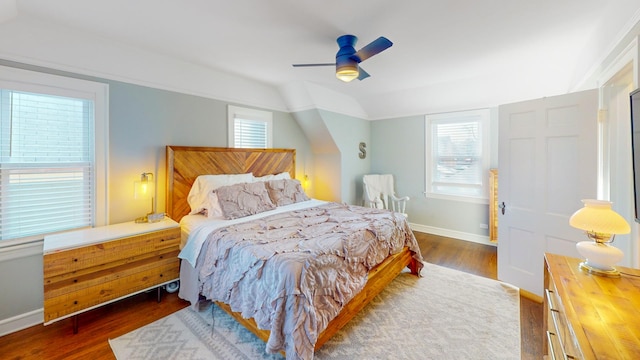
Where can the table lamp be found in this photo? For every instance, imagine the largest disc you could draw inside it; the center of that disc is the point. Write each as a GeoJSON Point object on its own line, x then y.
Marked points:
{"type": "Point", "coordinates": [601, 224]}
{"type": "Point", "coordinates": [143, 189]}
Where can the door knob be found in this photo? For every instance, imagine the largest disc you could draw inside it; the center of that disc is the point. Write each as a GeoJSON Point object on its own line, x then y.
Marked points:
{"type": "Point", "coordinates": [502, 206]}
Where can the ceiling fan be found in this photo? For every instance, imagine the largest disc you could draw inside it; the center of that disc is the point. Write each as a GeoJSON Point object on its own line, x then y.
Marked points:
{"type": "Point", "coordinates": [348, 59]}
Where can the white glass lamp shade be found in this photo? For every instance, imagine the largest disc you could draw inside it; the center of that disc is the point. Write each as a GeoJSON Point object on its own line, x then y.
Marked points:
{"type": "Point", "coordinates": [599, 222]}
{"type": "Point", "coordinates": [347, 74]}
{"type": "Point", "coordinates": [596, 216]}
{"type": "Point", "coordinates": [347, 69]}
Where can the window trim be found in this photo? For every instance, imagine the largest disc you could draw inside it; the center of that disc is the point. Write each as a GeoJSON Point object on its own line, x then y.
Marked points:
{"type": "Point", "coordinates": [484, 116]}
{"type": "Point", "coordinates": [234, 112]}
{"type": "Point", "coordinates": [33, 81]}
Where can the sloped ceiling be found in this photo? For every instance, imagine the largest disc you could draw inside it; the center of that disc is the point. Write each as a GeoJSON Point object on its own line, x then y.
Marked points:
{"type": "Point", "coordinates": [446, 55]}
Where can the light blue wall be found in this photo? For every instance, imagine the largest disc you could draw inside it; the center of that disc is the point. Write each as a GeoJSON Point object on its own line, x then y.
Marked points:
{"type": "Point", "coordinates": [144, 120]}
{"type": "Point", "coordinates": [323, 170]}
{"type": "Point", "coordinates": [335, 139]}
{"type": "Point", "coordinates": [398, 148]}
{"type": "Point", "coordinates": [348, 132]}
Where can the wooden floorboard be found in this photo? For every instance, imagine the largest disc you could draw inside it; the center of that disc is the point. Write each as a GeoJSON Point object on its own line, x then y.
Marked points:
{"type": "Point", "coordinates": [96, 327]}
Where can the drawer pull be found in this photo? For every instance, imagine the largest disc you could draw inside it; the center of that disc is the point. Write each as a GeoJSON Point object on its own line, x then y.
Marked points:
{"type": "Point", "coordinates": [552, 352]}
{"type": "Point", "coordinates": [554, 313]}
{"type": "Point", "coordinates": [552, 306]}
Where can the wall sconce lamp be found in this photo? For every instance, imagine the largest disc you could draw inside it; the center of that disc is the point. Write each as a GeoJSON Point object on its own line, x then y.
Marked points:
{"type": "Point", "coordinates": [143, 190]}
{"type": "Point", "coordinates": [601, 224]}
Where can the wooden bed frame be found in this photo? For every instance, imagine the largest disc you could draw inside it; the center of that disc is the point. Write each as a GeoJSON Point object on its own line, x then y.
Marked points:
{"type": "Point", "coordinates": [186, 163]}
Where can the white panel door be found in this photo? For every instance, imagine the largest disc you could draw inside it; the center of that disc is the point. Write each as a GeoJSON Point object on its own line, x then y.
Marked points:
{"type": "Point", "coordinates": [548, 156]}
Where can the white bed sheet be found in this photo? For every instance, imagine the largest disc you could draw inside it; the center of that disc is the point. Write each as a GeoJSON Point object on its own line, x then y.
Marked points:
{"type": "Point", "coordinates": [196, 228]}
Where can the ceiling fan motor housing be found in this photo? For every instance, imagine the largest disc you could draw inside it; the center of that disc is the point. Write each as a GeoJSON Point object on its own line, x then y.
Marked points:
{"type": "Point", "coordinates": [346, 61]}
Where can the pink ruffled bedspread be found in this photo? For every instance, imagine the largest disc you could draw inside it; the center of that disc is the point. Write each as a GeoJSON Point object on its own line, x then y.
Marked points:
{"type": "Point", "coordinates": [293, 272]}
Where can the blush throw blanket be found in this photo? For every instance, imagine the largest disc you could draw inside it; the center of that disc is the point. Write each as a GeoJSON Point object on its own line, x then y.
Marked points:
{"type": "Point", "coordinates": [293, 272]}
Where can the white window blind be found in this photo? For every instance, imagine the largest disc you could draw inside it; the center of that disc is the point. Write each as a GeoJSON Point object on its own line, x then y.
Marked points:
{"type": "Point", "coordinates": [457, 155]}
{"type": "Point", "coordinates": [249, 128]}
{"type": "Point", "coordinates": [250, 133]}
{"type": "Point", "coordinates": [46, 163]}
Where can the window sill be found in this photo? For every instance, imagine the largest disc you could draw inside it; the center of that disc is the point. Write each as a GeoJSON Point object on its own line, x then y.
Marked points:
{"type": "Point", "coordinates": [466, 199]}
{"type": "Point", "coordinates": [20, 248]}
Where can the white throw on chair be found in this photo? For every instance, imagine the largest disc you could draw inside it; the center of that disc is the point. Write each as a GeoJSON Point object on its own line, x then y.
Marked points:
{"type": "Point", "coordinates": [379, 193]}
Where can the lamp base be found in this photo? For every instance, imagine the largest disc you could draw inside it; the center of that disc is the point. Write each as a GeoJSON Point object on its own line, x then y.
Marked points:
{"type": "Point", "coordinates": [150, 218]}
{"type": "Point", "coordinates": [584, 266]}
{"type": "Point", "coordinates": [599, 258]}
{"type": "Point", "coordinates": [142, 219]}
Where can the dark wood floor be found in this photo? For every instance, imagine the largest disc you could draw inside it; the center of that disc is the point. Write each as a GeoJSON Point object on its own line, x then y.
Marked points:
{"type": "Point", "coordinates": [57, 341]}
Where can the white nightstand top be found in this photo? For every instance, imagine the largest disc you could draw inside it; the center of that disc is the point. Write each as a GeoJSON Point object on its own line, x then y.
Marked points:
{"type": "Point", "coordinates": [84, 237]}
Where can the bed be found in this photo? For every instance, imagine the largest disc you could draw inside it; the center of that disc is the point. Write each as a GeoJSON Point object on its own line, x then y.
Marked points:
{"type": "Point", "coordinates": [186, 164]}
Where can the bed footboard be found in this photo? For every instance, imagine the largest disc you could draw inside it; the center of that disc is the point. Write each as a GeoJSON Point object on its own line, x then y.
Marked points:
{"type": "Point", "coordinates": [379, 277]}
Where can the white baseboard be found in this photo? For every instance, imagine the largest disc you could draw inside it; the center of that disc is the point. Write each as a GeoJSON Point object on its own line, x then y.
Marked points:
{"type": "Point", "coordinates": [22, 321]}
{"type": "Point", "coordinates": [481, 239]}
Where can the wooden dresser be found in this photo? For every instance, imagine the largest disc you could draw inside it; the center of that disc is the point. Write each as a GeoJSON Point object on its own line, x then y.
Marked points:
{"type": "Point", "coordinates": [589, 316]}
{"type": "Point", "coordinates": [87, 268]}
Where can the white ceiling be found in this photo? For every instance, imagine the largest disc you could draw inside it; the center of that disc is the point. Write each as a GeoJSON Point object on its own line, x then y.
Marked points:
{"type": "Point", "coordinates": [511, 48]}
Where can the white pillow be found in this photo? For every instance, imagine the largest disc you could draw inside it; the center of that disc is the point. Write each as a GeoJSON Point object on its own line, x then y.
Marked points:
{"type": "Point", "coordinates": [283, 175]}
{"type": "Point", "coordinates": [201, 196]}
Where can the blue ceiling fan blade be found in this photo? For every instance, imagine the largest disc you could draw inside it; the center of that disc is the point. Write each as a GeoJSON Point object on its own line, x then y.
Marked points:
{"type": "Point", "coordinates": [320, 64]}
{"type": "Point", "coordinates": [362, 74]}
{"type": "Point", "coordinates": [375, 47]}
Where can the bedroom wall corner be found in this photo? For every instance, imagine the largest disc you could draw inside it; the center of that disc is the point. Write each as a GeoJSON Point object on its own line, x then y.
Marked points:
{"type": "Point", "coordinates": [287, 133]}
{"type": "Point", "coordinates": [348, 132]}
{"type": "Point", "coordinates": [22, 297]}
{"type": "Point", "coordinates": [335, 140]}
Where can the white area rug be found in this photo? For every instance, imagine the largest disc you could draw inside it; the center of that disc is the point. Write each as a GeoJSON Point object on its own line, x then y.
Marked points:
{"type": "Point", "coordinates": [446, 314]}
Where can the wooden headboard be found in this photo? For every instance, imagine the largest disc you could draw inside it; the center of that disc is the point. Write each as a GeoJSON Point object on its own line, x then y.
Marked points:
{"type": "Point", "coordinates": [186, 163]}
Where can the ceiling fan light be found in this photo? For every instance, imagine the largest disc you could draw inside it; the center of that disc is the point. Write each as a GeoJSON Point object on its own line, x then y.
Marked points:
{"type": "Point", "coordinates": [346, 68]}
{"type": "Point", "coordinates": [347, 73]}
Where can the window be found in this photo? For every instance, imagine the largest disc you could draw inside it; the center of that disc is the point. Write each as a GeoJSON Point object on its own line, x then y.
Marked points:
{"type": "Point", "coordinates": [249, 128]}
{"type": "Point", "coordinates": [457, 155]}
{"type": "Point", "coordinates": [52, 163]}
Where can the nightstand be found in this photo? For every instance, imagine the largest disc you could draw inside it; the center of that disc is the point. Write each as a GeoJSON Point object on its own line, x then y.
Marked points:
{"type": "Point", "coordinates": [87, 268]}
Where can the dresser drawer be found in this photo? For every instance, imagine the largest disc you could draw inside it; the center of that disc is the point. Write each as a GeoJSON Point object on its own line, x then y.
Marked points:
{"type": "Point", "coordinates": [559, 337]}
{"type": "Point", "coordinates": [100, 289]}
{"type": "Point", "coordinates": [102, 265]}
{"type": "Point", "coordinates": [110, 253]}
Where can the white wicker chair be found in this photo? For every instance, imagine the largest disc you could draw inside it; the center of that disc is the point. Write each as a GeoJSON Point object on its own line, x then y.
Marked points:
{"type": "Point", "coordinates": [378, 190]}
